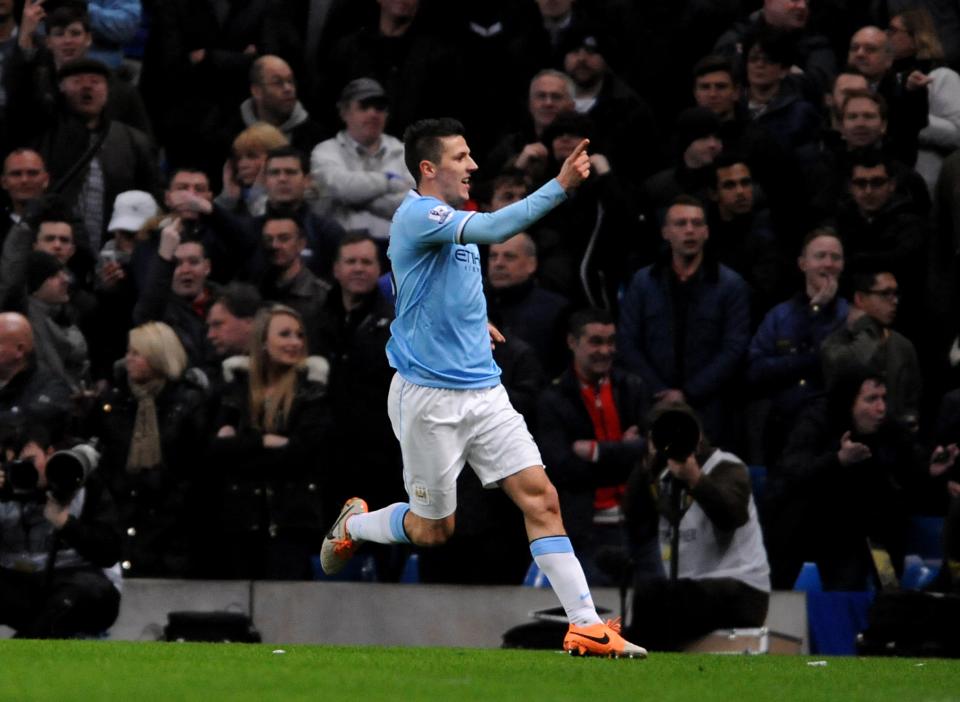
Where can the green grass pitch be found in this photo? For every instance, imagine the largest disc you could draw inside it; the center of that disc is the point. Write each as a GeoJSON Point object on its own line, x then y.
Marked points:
{"type": "Point", "coordinates": [108, 671]}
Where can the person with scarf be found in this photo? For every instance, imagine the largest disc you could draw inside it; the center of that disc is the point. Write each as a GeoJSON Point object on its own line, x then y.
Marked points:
{"type": "Point", "coordinates": [151, 423]}
{"type": "Point", "coordinates": [268, 457]}
{"type": "Point", "coordinates": [589, 423]}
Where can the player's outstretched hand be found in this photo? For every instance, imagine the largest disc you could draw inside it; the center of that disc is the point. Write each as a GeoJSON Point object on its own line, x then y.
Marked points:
{"type": "Point", "coordinates": [576, 168]}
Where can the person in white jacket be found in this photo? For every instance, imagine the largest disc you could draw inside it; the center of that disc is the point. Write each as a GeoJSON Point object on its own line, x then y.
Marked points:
{"type": "Point", "coordinates": [360, 172]}
{"type": "Point", "coordinates": [917, 49]}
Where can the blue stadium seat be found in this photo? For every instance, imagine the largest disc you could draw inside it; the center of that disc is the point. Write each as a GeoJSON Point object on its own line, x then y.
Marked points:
{"type": "Point", "coordinates": [808, 580]}
{"type": "Point", "coordinates": [925, 536]}
{"type": "Point", "coordinates": [918, 573]}
{"type": "Point", "coordinates": [758, 482]}
{"type": "Point", "coordinates": [411, 569]}
{"type": "Point", "coordinates": [535, 577]}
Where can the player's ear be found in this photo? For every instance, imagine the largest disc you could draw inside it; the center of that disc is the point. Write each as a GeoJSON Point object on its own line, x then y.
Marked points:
{"type": "Point", "coordinates": [427, 169]}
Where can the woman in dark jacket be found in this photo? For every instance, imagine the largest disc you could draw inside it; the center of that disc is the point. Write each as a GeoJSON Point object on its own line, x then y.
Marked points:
{"type": "Point", "coordinates": [151, 422]}
{"type": "Point", "coordinates": [274, 422]}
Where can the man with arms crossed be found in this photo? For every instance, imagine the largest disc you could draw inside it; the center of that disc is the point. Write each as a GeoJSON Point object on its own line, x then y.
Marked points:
{"type": "Point", "coordinates": [446, 402]}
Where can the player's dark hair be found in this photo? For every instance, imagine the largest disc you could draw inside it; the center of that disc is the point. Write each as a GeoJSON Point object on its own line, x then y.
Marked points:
{"type": "Point", "coordinates": [421, 142]}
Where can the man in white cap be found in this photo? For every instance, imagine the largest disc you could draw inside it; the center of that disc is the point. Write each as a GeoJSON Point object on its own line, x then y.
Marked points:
{"type": "Point", "coordinates": [131, 211]}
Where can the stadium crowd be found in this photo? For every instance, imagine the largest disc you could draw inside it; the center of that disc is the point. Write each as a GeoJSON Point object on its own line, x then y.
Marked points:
{"type": "Point", "coordinates": [194, 281]}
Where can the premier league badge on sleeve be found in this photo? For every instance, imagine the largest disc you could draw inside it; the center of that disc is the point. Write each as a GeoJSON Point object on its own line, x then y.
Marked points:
{"type": "Point", "coordinates": [440, 214]}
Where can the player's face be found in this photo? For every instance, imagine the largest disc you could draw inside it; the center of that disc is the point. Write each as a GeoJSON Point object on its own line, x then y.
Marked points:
{"type": "Point", "coordinates": [594, 349]}
{"type": "Point", "coordinates": [454, 171]}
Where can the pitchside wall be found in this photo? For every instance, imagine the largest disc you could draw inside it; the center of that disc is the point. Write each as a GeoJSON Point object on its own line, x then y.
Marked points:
{"type": "Point", "coordinates": [368, 613]}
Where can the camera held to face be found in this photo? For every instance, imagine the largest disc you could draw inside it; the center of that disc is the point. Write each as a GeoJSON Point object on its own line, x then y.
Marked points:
{"type": "Point", "coordinates": [66, 472]}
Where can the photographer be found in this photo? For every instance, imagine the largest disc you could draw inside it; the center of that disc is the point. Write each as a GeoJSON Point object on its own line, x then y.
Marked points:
{"type": "Point", "coordinates": [59, 541]}
{"type": "Point", "coordinates": [718, 565]}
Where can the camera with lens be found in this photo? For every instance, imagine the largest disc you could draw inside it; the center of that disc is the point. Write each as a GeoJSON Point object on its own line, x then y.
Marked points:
{"type": "Point", "coordinates": [20, 481]}
{"type": "Point", "coordinates": [66, 473]}
{"type": "Point", "coordinates": [676, 435]}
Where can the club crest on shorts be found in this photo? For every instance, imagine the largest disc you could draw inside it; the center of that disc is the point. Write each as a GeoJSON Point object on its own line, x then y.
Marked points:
{"type": "Point", "coordinates": [420, 494]}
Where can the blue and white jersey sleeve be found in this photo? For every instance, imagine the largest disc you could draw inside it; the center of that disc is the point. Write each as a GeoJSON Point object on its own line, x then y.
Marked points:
{"type": "Point", "coordinates": [429, 221]}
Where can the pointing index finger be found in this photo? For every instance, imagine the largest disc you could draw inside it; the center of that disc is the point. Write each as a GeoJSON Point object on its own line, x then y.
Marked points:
{"type": "Point", "coordinates": [581, 147]}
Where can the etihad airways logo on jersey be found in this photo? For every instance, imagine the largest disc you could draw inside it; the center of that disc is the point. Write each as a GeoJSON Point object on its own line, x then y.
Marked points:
{"type": "Point", "coordinates": [440, 214]}
{"type": "Point", "coordinates": [468, 259]}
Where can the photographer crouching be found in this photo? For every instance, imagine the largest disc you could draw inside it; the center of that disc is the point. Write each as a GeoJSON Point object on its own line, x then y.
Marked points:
{"type": "Point", "coordinates": [710, 536]}
{"type": "Point", "coordinates": [59, 540]}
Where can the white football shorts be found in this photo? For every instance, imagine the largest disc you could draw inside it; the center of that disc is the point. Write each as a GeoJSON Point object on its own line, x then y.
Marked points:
{"type": "Point", "coordinates": [441, 429]}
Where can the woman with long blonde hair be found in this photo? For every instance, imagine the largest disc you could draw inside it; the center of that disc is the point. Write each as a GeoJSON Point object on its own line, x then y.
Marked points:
{"type": "Point", "coordinates": [269, 451]}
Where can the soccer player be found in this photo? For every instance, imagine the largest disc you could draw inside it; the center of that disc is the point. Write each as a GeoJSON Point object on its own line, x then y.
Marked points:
{"type": "Point", "coordinates": [446, 403]}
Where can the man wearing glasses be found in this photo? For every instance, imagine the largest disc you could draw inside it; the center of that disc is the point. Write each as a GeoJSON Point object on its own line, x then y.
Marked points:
{"type": "Point", "coordinates": [869, 341]}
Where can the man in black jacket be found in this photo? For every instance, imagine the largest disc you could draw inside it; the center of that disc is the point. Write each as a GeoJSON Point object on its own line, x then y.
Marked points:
{"type": "Point", "coordinates": [589, 430]}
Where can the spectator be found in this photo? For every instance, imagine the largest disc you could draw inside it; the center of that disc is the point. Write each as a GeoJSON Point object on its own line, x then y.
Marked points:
{"type": "Point", "coordinates": [28, 394]}
{"type": "Point", "coordinates": [116, 291]}
{"type": "Point", "coordinates": [741, 233]}
{"type": "Point", "coordinates": [58, 552]}
{"type": "Point", "coordinates": [243, 191]}
{"type": "Point", "coordinates": [685, 322]}
{"type": "Point", "coordinates": [397, 52]}
{"type": "Point", "coordinates": [266, 454]}
{"type": "Point", "coordinates": [846, 82]}
{"type": "Point", "coordinates": [230, 320]}
{"type": "Point", "coordinates": [783, 361]}
{"type": "Point", "coordinates": [722, 577]}
{"type": "Point", "coordinates": [844, 476]}
{"type": "Point", "coordinates": [93, 158]}
{"type": "Point", "coordinates": [625, 128]}
{"type": "Point", "coordinates": [288, 281]}
{"type": "Point", "coordinates": [114, 24]}
{"type": "Point", "coordinates": [361, 170]}
{"type": "Point", "coordinates": [815, 58]}
{"type": "Point", "coordinates": [590, 432]}
{"type": "Point", "coordinates": [273, 99]}
{"type": "Point", "coordinates": [287, 180]}
{"type": "Point", "coordinates": [774, 101]}
{"type": "Point", "coordinates": [868, 341]}
{"type": "Point", "coordinates": [24, 179]}
{"type": "Point", "coordinates": [34, 66]}
{"type": "Point", "coordinates": [354, 329]}
{"type": "Point", "coordinates": [916, 46]}
{"type": "Point", "coordinates": [882, 229]}
{"type": "Point", "coordinates": [871, 53]}
{"type": "Point", "coordinates": [519, 307]}
{"type": "Point", "coordinates": [551, 92]}
{"type": "Point", "coordinates": [61, 348]}
{"type": "Point", "coordinates": [152, 422]}
{"type": "Point", "coordinates": [176, 292]}
{"type": "Point", "coordinates": [8, 36]}
{"type": "Point", "coordinates": [697, 145]}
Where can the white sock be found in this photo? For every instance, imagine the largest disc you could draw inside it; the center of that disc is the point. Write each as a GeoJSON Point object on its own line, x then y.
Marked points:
{"type": "Point", "coordinates": [383, 526]}
{"type": "Point", "coordinates": [554, 555]}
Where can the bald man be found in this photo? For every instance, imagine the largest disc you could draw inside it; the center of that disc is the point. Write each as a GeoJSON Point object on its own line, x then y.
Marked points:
{"type": "Point", "coordinates": [273, 99]}
{"type": "Point", "coordinates": [520, 307]}
{"type": "Point", "coordinates": [28, 394]}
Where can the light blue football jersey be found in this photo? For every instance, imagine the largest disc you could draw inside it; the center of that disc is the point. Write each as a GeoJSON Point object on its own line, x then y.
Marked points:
{"type": "Point", "coordinates": [439, 337]}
